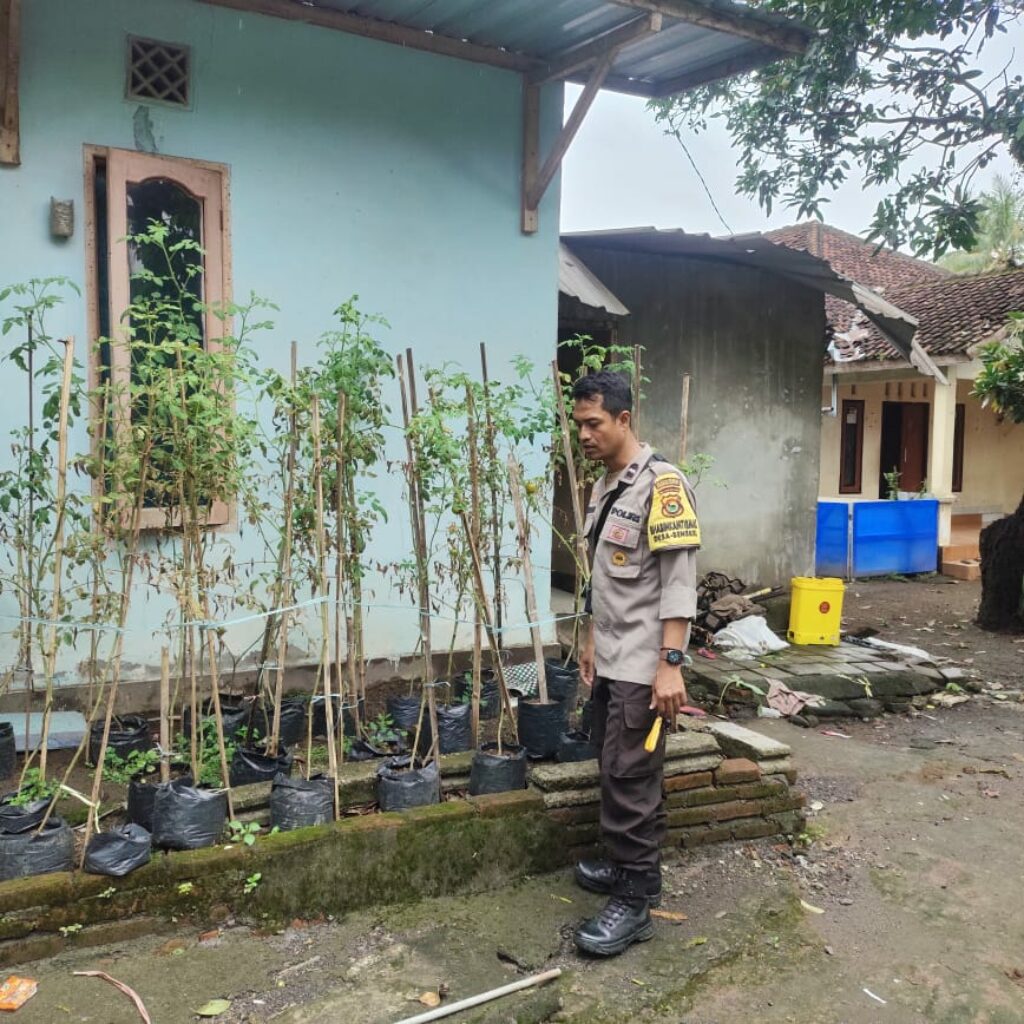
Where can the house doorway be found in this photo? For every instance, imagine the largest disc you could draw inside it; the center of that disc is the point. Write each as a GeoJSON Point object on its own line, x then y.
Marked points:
{"type": "Point", "coordinates": [904, 445]}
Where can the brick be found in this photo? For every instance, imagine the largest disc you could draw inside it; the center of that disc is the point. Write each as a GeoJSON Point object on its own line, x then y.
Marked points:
{"type": "Point", "coordinates": [789, 822]}
{"type": "Point", "coordinates": [787, 778]}
{"type": "Point", "coordinates": [756, 828]}
{"type": "Point", "coordinates": [724, 794]}
{"type": "Point", "coordinates": [737, 741]}
{"type": "Point", "coordinates": [737, 769]}
{"type": "Point", "coordinates": [700, 835]}
{"type": "Point", "coordinates": [694, 780]}
{"type": "Point", "coordinates": [498, 805]}
{"type": "Point", "coordinates": [575, 815]}
{"type": "Point", "coordinates": [737, 809]}
{"type": "Point", "coordinates": [689, 816]}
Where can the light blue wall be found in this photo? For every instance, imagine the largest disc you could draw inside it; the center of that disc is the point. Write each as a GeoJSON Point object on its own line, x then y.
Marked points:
{"type": "Point", "coordinates": [356, 167]}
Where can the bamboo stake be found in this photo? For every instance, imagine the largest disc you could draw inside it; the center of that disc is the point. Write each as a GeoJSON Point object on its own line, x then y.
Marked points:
{"type": "Point", "coordinates": [570, 473]}
{"type": "Point", "coordinates": [409, 410]}
{"type": "Point", "coordinates": [484, 997]}
{"type": "Point", "coordinates": [495, 517]}
{"type": "Point", "coordinates": [485, 607]}
{"type": "Point", "coordinates": [474, 515]}
{"type": "Point", "coordinates": [684, 418]}
{"type": "Point", "coordinates": [523, 530]}
{"type": "Point", "coordinates": [58, 544]}
{"type": "Point", "coordinates": [340, 582]}
{"type": "Point", "coordinates": [637, 377]}
{"type": "Point", "coordinates": [286, 558]}
{"type": "Point", "coordinates": [321, 557]}
{"type": "Point", "coordinates": [165, 715]}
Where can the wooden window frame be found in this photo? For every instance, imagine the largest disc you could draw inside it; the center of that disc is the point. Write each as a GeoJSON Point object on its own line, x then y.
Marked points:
{"type": "Point", "coordinates": [209, 182]}
{"type": "Point", "coordinates": [857, 403]}
{"type": "Point", "coordinates": [959, 434]}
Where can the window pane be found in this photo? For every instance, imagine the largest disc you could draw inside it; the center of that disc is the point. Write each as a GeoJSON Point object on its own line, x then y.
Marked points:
{"type": "Point", "coordinates": [849, 460]}
{"type": "Point", "coordinates": [177, 276]}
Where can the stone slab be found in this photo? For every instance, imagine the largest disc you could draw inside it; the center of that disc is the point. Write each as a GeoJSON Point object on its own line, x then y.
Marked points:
{"type": "Point", "coordinates": [738, 741]}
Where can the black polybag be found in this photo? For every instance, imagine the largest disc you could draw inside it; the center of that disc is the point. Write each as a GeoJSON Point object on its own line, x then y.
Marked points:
{"type": "Point", "coordinates": [454, 724]}
{"type": "Point", "coordinates": [298, 803]}
{"type": "Point", "coordinates": [29, 853]}
{"type": "Point", "coordinates": [319, 712]}
{"type": "Point", "coordinates": [400, 787]}
{"type": "Point", "coordinates": [250, 766]}
{"type": "Point", "coordinates": [18, 818]}
{"type": "Point", "coordinates": [405, 712]}
{"type": "Point", "coordinates": [119, 852]}
{"type": "Point", "coordinates": [541, 726]}
{"type": "Point", "coordinates": [141, 796]}
{"type": "Point", "coordinates": [186, 818]}
{"type": "Point", "coordinates": [128, 733]}
{"type": "Point", "coordinates": [292, 724]}
{"type": "Point", "coordinates": [8, 750]}
{"type": "Point", "coordinates": [233, 716]}
{"type": "Point", "coordinates": [490, 692]}
{"type": "Point", "coordinates": [575, 746]}
{"type": "Point", "coordinates": [491, 773]}
{"type": "Point", "coordinates": [563, 682]}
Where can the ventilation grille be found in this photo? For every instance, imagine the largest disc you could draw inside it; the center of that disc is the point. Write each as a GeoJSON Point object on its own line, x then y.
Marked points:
{"type": "Point", "coordinates": [158, 71]}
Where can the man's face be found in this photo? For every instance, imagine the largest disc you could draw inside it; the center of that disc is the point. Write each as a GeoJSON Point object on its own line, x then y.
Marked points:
{"type": "Point", "coordinates": [602, 435]}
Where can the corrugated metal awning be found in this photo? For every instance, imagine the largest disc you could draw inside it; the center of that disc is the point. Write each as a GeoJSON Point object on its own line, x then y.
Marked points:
{"type": "Point", "coordinates": [756, 251]}
{"type": "Point", "coordinates": [578, 281]}
{"type": "Point", "coordinates": [698, 41]}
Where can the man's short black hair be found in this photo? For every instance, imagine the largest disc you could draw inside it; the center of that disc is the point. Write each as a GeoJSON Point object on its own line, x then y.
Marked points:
{"type": "Point", "coordinates": [613, 388]}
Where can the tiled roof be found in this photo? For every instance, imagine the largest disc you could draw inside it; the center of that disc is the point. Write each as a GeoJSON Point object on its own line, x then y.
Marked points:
{"type": "Point", "coordinates": [955, 311]}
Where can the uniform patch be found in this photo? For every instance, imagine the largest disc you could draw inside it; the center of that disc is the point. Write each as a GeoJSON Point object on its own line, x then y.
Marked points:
{"type": "Point", "coordinates": [619, 558]}
{"type": "Point", "coordinates": [623, 534]}
{"type": "Point", "coordinates": [672, 522]}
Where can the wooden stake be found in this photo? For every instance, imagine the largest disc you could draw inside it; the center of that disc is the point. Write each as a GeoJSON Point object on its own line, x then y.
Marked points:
{"type": "Point", "coordinates": [286, 558]}
{"type": "Point", "coordinates": [165, 715]}
{"type": "Point", "coordinates": [474, 515]}
{"type": "Point", "coordinates": [409, 410]}
{"type": "Point", "coordinates": [637, 379]}
{"type": "Point", "coordinates": [321, 557]}
{"type": "Point", "coordinates": [58, 544]}
{"type": "Point", "coordinates": [684, 418]}
{"type": "Point", "coordinates": [495, 510]}
{"type": "Point", "coordinates": [582, 559]}
{"type": "Point", "coordinates": [340, 575]}
{"type": "Point", "coordinates": [523, 530]}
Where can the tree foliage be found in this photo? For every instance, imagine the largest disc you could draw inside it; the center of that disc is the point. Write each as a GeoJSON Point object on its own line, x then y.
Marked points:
{"type": "Point", "coordinates": [1000, 385]}
{"type": "Point", "coordinates": [1000, 243]}
{"type": "Point", "coordinates": [892, 92]}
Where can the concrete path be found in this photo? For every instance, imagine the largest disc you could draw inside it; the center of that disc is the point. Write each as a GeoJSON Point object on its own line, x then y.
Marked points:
{"type": "Point", "coordinates": [914, 858]}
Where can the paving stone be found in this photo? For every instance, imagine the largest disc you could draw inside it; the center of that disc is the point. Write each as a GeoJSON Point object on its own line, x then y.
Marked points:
{"type": "Point", "coordinates": [572, 797]}
{"type": "Point", "coordinates": [952, 674]}
{"type": "Point", "coordinates": [705, 763]}
{"type": "Point", "coordinates": [738, 741]}
{"type": "Point", "coordinates": [737, 769]}
{"type": "Point", "coordinates": [689, 744]}
{"type": "Point", "coordinates": [573, 775]}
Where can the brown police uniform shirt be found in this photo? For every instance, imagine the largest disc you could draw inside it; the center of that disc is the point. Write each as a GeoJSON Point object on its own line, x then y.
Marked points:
{"type": "Point", "coordinates": [643, 565]}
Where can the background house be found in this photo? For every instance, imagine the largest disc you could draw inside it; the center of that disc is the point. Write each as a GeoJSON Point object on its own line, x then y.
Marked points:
{"type": "Point", "coordinates": [745, 318]}
{"type": "Point", "coordinates": [933, 434]}
{"type": "Point", "coordinates": [405, 153]}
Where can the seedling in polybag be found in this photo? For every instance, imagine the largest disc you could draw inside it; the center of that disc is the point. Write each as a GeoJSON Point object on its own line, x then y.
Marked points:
{"type": "Point", "coordinates": [244, 831]}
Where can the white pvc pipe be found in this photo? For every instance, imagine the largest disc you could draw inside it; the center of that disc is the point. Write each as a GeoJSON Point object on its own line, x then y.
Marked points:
{"type": "Point", "coordinates": [483, 997]}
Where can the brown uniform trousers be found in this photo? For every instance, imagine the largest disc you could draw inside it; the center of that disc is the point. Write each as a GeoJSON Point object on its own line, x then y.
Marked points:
{"type": "Point", "coordinates": [632, 806]}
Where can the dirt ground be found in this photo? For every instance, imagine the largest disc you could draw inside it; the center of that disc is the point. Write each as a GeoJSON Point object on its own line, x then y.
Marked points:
{"type": "Point", "coordinates": [901, 903]}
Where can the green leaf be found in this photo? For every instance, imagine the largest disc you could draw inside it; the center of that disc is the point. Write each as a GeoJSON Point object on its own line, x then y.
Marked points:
{"type": "Point", "coordinates": [214, 1008]}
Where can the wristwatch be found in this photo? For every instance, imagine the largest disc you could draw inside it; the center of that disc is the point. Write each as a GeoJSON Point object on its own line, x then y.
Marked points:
{"type": "Point", "coordinates": [673, 656]}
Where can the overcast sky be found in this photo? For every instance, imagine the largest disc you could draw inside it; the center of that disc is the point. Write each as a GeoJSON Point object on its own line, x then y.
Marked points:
{"type": "Point", "coordinates": [623, 171]}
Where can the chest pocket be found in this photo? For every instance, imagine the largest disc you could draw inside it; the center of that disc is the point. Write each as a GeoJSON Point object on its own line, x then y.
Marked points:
{"type": "Point", "coordinates": [620, 550]}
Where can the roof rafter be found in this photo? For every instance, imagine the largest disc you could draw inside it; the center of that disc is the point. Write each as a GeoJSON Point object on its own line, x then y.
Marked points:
{"type": "Point", "coordinates": [736, 22]}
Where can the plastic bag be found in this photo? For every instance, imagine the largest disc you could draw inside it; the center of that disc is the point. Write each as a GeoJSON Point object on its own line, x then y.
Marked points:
{"type": "Point", "coordinates": [292, 727]}
{"type": "Point", "coordinates": [251, 766]}
{"type": "Point", "coordinates": [405, 711]}
{"type": "Point", "coordinates": [575, 746]}
{"type": "Point", "coordinates": [540, 726]}
{"type": "Point", "coordinates": [18, 818]}
{"type": "Point", "coordinates": [751, 635]}
{"type": "Point", "coordinates": [127, 733]}
{"type": "Point", "coordinates": [186, 818]}
{"type": "Point", "coordinates": [298, 803]}
{"type": "Point", "coordinates": [563, 681]}
{"type": "Point", "coordinates": [8, 750]}
{"type": "Point", "coordinates": [118, 853]}
{"type": "Point", "coordinates": [29, 853]}
{"type": "Point", "coordinates": [491, 773]}
{"type": "Point", "coordinates": [490, 692]}
{"type": "Point", "coordinates": [234, 717]}
{"type": "Point", "coordinates": [400, 787]}
{"type": "Point", "coordinates": [141, 796]}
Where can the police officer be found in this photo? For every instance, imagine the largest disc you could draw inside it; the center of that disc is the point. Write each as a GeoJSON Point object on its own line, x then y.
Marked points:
{"type": "Point", "coordinates": [643, 536]}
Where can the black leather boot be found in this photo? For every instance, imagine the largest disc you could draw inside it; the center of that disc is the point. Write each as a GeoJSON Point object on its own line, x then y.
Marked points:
{"type": "Point", "coordinates": [626, 919]}
{"type": "Point", "coordinates": [603, 875]}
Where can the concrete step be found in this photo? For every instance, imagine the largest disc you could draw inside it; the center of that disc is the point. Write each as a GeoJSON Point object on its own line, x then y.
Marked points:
{"type": "Point", "coordinates": [968, 569]}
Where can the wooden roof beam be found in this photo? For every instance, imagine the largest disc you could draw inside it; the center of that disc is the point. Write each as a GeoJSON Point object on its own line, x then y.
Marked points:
{"type": "Point", "coordinates": [749, 61]}
{"type": "Point", "coordinates": [790, 39]}
{"type": "Point", "coordinates": [585, 54]}
{"type": "Point", "coordinates": [10, 59]}
{"type": "Point", "coordinates": [383, 31]}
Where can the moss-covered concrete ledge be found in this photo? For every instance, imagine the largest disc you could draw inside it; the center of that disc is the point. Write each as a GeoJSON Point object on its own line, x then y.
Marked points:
{"type": "Point", "coordinates": [724, 783]}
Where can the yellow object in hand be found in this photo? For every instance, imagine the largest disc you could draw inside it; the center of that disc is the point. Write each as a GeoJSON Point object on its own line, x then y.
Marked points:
{"type": "Point", "coordinates": [653, 736]}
